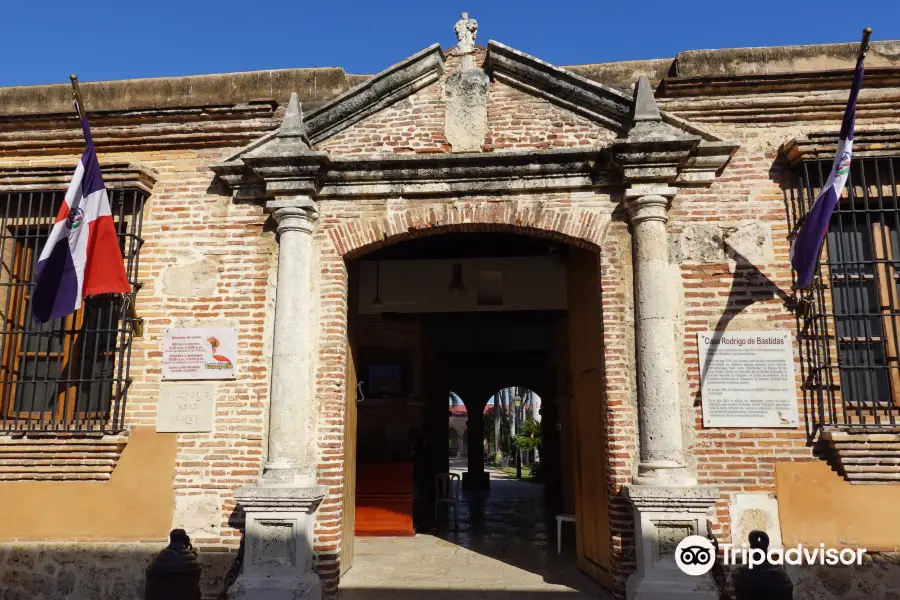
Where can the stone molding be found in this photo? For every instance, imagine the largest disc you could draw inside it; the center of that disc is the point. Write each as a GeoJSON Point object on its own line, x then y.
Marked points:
{"type": "Point", "coordinates": [280, 499]}
{"type": "Point", "coordinates": [823, 145]}
{"type": "Point", "coordinates": [58, 177]}
{"type": "Point", "coordinates": [384, 89]}
{"type": "Point", "coordinates": [60, 458]}
{"type": "Point", "coordinates": [865, 456]}
{"type": "Point", "coordinates": [647, 498]}
{"type": "Point", "coordinates": [597, 101]}
{"type": "Point", "coordinates": [141, 130]}
{"type": "Point", "coordinates": [770, 83]}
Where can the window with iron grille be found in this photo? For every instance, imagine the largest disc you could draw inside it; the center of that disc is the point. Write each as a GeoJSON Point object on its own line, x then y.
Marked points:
{"type": "Point", "coordinates": [850, 328]}
{"type": "Point", "coordinates": [71, 374]}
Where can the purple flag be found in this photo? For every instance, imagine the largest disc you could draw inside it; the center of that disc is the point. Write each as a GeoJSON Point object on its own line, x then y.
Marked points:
{"type": "Point", "coordinates": [808, 243]}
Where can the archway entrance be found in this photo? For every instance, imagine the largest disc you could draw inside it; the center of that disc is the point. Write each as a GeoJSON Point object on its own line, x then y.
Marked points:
{"type": "Point", "coordinates": [475, 313]}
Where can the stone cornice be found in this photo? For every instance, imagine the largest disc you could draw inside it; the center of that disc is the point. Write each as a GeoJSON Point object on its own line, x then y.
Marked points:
{"type": "Point", "coordinates": [433, 174]}
{"type": "Point", "coordinates": [823, 145]}
{"type": "Point", "coordinates": [599, 102]}
{"type": "Point", "coordinates": [148, 129]}
{"type": "Point", "coordinates": [382, 90]}
{"type": "Point", "coordinates": [57, 177]}
{"type": "Point", "coordinates": [769, 83]}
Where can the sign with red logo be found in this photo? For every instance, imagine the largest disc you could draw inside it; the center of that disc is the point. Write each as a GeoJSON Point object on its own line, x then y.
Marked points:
{"type": "Point", "coordinates": [200, 353]}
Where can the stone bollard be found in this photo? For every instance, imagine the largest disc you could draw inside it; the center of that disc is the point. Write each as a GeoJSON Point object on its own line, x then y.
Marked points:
{"type": "Point", "coordinates": [174, 574]}
{"type": "Point", "coordinates": [765, 581]}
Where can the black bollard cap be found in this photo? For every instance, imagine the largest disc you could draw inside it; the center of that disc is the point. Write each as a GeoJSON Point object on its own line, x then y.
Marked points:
{"type": "Point", "coordinates": [179, 555]}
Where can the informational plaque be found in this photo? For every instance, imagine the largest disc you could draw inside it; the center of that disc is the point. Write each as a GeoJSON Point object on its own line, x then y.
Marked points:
{"type": "Point", "coordinates": [186, 407]}
{"type": "Point", "coordinates": [747, 379]}
{"type": "Point", "coordinates": [200, 353]}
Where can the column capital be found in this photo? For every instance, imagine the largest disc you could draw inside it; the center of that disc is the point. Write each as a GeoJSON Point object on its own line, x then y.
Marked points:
{"type": "Point", "coordinates": [293, 214]}
{"type": "Point", "coordinates": [648, 207]}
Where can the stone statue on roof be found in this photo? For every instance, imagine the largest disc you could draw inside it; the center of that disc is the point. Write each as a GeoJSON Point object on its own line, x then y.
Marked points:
{"type": "Point", "coordinates": [466, 29]}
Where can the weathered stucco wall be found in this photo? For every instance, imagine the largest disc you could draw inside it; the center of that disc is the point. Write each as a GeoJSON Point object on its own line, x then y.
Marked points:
{"type": "Point", "coordinates": [135, 504]}
{"type": "Point", "coordinates": [816, 505]}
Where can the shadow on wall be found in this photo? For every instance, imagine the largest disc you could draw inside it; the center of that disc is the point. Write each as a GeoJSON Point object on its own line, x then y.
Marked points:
{"type": "Point", "coordinates": [91, 571]}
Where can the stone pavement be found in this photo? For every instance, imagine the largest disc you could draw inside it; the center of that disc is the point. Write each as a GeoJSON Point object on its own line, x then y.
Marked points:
{"type": "Point", "coordinates": [505, 550]}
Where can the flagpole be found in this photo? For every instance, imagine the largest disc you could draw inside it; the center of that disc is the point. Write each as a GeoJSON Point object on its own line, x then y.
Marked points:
{"type": "Point", "coordinates": [76, 94]}
{"type": "Point", "coordinates": [864, 45]}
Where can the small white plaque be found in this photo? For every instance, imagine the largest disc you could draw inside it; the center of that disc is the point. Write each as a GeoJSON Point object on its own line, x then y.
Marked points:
{"type": "Point", "coordinates": [747, 379]}
{"type": "Point", "coordinates": [186, 407]}
{"type": "Point", "coordinates": [200, 353]}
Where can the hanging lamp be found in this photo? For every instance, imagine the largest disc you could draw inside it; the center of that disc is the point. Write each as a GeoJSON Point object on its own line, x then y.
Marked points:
{"type": "Point", "coordinates": [457, 288]}
{"type": "Point", "coordinates": [377, 304]}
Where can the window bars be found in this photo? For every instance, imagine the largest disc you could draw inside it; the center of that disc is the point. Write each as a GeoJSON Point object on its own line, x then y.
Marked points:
{"type": "Point", "coordinates": [850, 329]}
{"type": "Point", "coordinates": [71, 374]}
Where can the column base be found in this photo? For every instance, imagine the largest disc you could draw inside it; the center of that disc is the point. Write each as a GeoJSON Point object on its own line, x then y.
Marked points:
{"type": "Point", "coordinates": [278, 543]}
{"type": "Point", "coordinates": [302, 587]}
{"type": "Point", "coordinates": [476, 481]}
{"type": "Point", "coordinates": [663, 516]}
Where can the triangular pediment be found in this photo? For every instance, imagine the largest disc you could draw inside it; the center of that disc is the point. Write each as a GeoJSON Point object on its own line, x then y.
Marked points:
{"type": "Point", "coordinates": [316, 141]}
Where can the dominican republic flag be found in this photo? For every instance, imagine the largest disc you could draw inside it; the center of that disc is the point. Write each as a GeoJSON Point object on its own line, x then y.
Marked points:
{"type": "Point", "coordinates": [808, 242]}
{"type": "Point", "coordinates": [82, 256]}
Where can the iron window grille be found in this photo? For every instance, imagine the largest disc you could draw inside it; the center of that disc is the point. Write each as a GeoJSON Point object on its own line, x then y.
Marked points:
{"type": "Point", "coordinates": [850, 326]}
{"type": "Point", "coordinates": [71, 374]}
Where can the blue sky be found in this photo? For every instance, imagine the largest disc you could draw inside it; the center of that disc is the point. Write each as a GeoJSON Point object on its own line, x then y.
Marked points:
{"type": "Point", "coordinates": [45, 40]}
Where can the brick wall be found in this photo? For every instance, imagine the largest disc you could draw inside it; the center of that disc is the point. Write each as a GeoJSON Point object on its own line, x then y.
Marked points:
{"type": "Point", "coordinates": [228, 251]}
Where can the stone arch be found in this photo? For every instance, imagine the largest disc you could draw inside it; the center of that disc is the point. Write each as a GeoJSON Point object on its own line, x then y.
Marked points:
{"type": "Point", "coordinates": [349, 231]}
{"type": "Point", "coordinates": [582, 227]}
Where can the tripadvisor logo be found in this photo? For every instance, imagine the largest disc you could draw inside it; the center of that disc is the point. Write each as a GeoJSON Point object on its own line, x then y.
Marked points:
{"type": "Point", "coordinates": [695, 555]}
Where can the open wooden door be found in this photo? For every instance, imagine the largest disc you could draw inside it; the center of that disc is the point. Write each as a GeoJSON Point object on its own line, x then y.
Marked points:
{"type": "Point", "coordinates": [348, 521]}
{"type": "Point", "coordinates": [594, 544]}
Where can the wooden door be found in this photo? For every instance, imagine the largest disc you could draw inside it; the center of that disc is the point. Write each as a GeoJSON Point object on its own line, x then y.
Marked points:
{"type": "Point", "coordinates": [594, 544]}
{"type": "Point", "coordinates": [348, 520]}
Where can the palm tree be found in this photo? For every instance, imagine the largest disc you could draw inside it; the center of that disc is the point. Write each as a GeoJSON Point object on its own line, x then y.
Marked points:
{"type": "Point", "coordinates": [531, 436]}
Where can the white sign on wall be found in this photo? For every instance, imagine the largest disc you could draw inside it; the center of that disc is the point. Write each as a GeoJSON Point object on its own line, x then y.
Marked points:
{"type": "Point", "coordinates": [747, 379]}
{"type": "Point", "coordinates": [200, 353]}
{"type": "Point", "coordinates": [186, 407]}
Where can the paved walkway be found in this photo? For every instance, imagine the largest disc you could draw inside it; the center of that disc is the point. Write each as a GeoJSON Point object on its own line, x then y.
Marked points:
{"type": "Point", "coordinates": [504, 551]}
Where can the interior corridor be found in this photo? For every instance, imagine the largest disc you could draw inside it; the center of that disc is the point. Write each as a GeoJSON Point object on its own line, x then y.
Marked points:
{"type": "Point", "coordinates": [505, 549]}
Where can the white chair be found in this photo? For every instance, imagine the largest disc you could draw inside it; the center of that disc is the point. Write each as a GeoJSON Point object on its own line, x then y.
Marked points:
{"type": "Point", "coordinates": [559, 522]}
{"type": "Point", "coordinates": [447, 493]}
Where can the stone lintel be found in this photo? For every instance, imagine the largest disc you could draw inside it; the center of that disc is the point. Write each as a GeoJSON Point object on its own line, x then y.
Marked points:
{"type": "Point", "coordinates": [384, 89]}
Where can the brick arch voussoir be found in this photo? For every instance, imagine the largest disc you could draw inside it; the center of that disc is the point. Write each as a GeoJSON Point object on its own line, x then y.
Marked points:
{"type": "Point", "coordinates": [358, 236]}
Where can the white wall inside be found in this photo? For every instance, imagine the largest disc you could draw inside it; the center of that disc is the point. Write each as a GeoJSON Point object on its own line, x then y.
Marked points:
{"type": "Point", "coordinates": [417, 286]}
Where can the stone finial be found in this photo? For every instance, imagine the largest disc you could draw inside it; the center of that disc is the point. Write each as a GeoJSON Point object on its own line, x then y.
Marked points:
{"type": "Point", "coordinates": [292, 126]}
{"type": "Point", "coordinates": [293, 118]}
{"type": "Point", "coordinates": [645, 107]}
{"type": "Point", "coordinates": [466, 29]}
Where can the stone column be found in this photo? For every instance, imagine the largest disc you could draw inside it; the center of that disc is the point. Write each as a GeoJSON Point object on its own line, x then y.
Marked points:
{"type": "Point", "coordinates": [659, 403]}
{"type": "Point", "coordinates": [288, 460]}
{"type": "Point", "coordinates": [667, 504]}
{"type": "Point", "coordinates": [280, 509]}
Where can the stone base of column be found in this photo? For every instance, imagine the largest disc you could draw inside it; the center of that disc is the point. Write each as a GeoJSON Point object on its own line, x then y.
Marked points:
{"type": "Point", "coordinates": [663, 516]}
{"type": "Point", "coordinates": [476, 481]}
{"type": "Point", "coordinates": [278, 545]}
